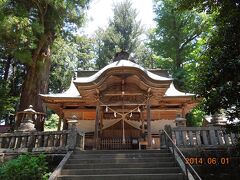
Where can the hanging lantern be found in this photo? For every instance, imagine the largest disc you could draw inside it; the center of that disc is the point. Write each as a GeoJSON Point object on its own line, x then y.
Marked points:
{"type": "Point", "coordinates": [130, 114]}
{"type": "Point", "coordinates": [106, 109]}
{"type": "Point", "coordinates": [138, 109]}
{"type": "Point", "coordinates": [115, 114]}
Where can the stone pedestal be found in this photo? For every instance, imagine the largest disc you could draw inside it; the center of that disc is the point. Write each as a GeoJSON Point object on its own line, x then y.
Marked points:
{"type": "Point", "coordinates": [180, 122]}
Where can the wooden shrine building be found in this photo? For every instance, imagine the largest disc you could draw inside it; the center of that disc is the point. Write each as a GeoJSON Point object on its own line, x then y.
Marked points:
{"type": "Point", "coordinates": [121, 106]}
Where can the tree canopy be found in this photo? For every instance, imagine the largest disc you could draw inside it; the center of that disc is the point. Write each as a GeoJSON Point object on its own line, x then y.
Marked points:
{"type": "Point", "coordinates": [67, 57]}
{"type": "Point", "coordinates": [28, 30]}
{"type": "Point", "coordinates": [218, 77]}
{"type": "Point", "coordinates": [175, 37]}
{"type": "Point", "coordinates": [122, 34]}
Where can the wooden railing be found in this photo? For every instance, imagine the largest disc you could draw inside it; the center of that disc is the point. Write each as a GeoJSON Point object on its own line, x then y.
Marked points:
{"type": "Point", "coordinates": [115, 143]}
{"type": "Point", "coordinates": [36, 141]}
{"type": "Point", "coordinates": [203, 136]}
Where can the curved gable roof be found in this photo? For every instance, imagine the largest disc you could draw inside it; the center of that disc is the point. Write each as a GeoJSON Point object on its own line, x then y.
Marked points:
{"type": "Point", "coordinates": [71, 92]}
{"type": "Point", "coordinates": [173, 92]}
{"type": "Point", "coordinates": [120, 64]}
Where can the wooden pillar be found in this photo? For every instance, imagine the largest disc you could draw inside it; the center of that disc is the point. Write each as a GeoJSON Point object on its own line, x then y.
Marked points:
{"type": "Point", "coordinates": [101, 121]}
{"type": "Point", "coordinates": [65, 124]}
{"type": "Point", "coordinates": [59, 124]}
{"type": "Point", "coordinates": [149, 138]}
{"type": "Point", "coordinates": [60, 121]}
{"type": "Point", "coordinates": [142, 121]}
{"type": "Point", "coordinates": [96, 126]}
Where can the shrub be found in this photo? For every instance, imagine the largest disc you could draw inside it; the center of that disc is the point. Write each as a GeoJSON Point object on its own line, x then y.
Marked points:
{"type": "Point", "coordinates": [52, 122]}
{"type": "Point", "coordinates": [195, 117]}
{"type": "Point", "coordinates": [25, 167]}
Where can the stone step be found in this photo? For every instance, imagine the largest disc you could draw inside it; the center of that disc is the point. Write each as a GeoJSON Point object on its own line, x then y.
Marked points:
{"type": "Point", "coordinates": [119, 160]}
{"type": "Point", "coordinates": [121, 155]}
{"type": "Point", "coordinates": [119, 165]}
{"type": "Point", "coordinates": [165, 176]}
{"type": "Point", "coordinates": [120, 151]}
{"type": "Point", "coordinates": [120, 171]}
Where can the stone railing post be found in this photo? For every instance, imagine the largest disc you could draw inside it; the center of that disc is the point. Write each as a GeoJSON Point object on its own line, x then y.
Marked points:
{"type": "Point", "coordinates": [168, 130]}
{"type": "Point", "coordinates": [72, 136]}
{"type": "Point", "coordinates": [162, 139]}
{"type": "Point", "coordinates": [81, 140]}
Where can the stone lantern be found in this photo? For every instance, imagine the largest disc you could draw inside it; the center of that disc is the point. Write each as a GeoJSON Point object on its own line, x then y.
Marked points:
{"type": "Point", "coordinates": [218, 120]}
{"type": "Point", "coordinates": [72, 123]}
{"type": "Point", "coordinates": [72, 136]}
{"type": "Point", "coordinates": [180, 121]}
{"type": "Point", "coordinates": [27, 123]}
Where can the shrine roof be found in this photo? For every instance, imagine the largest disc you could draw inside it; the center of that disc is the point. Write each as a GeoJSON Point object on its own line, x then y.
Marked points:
{"type": "Point", "coordinates": [72, 92]}
{"type": "Point", "coordinates": [120, 64]}
{"type": "Point", "coordinates": [159, 75]}
{"type": "Point", "coordinates": [87, 73]}
{"type": "Point", "coordinates": [173, 92]}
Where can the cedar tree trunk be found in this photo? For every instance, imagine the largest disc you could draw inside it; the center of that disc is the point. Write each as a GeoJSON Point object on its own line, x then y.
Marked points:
{"type": "Point", "coordinates": [37, 78]}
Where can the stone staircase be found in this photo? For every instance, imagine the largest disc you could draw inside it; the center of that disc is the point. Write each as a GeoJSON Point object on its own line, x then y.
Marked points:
{"type": "Point", "coordinates": [121, 165]}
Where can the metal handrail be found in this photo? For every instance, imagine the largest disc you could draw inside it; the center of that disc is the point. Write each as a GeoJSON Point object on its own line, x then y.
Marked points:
{"type": "Point", "coordinates": [59, 168]}
{"type": "Point", "coordinates": [188, 167]}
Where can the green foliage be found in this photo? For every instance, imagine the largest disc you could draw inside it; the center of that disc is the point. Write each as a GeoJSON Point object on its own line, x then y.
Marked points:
{"type": "Point", "coordinates": [16, 34]}
{"type": "Point", "coordinates": [124, 30]}
{"type": "Point", "coordinates": [104, 49]}
{"type": "Point", "coordinates": [68, 56]}
{"type": "Point", "coordinates": [25, 167]}
{"type": "Point", "coordinates": [64, 62]}
{"type": "Point", "coordinates": [23, 24]}
{"type": "Point", "coordinates": [24, 56]}
{"type": "Point", "coordinates": [52, 122]}
{"type": "Point", "coordinates": [144, 56]}
{"type": "Point", "coordinates": [175, 37]}
{"type": "Point", "coordinates": [27, 32]}
{"type": "Point", "coordinates": [84, 52]}
{"type": "Point", "coordinates": [195, 117]}
{"type": "Point", "coordinates": [7, 103]}
{"type": "Point", "coordinates": [122, 34]}
{"type": "Point", "coordinates": [11, 74]}
{"type": "Point", "coordinates": [217, 77]}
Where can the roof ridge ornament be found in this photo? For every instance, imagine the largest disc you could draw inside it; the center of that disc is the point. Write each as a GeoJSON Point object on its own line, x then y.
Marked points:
{"type": "Point", "coordinates": [121, 55]}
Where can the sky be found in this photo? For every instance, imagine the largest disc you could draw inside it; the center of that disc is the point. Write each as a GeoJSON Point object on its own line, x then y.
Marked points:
{"type": "Point", "coordinates": [100, 11]}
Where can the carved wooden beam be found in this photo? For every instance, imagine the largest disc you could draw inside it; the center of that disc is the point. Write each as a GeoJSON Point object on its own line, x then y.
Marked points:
{"type": "Point", "coordinates": [123, 94]}
{"type": "Point", "coordinates": [125, 104]}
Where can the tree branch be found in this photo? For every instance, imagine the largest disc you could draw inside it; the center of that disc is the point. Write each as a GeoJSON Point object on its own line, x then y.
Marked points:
{"type": "Point", "coordinates": [41, 13]}
{"type": "Point", "coordinates": [189, 40]}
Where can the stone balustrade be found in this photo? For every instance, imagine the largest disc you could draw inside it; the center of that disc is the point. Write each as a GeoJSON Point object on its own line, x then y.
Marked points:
{"type": "Point", "coordinates": [36, 141]}
{"type": "Point", "coordinates": [201, 137]}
